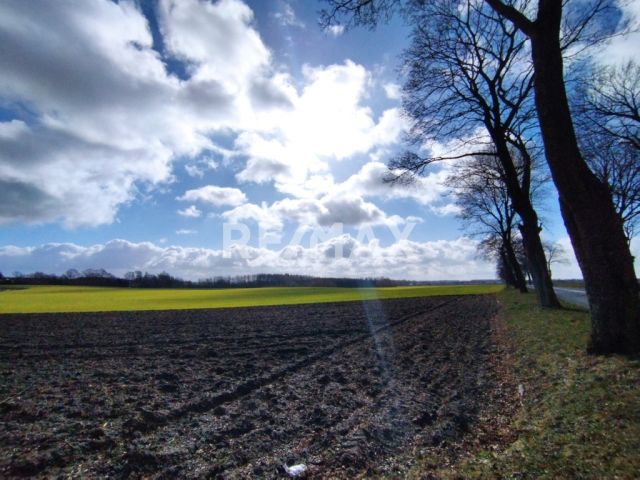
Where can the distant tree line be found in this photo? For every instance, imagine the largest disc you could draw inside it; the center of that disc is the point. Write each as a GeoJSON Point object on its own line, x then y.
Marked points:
{"type": "Point", "coordinates": [138, 279]}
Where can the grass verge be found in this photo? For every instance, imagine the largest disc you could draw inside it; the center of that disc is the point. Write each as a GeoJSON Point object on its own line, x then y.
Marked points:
{"type": "Point", "coordinates": [580, 414]}
{"type": "Point", "coordinates": [50, 299]}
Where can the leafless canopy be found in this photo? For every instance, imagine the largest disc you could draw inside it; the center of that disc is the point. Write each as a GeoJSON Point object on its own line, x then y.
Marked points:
{"type": "Point", "coordinates": [607, 112]}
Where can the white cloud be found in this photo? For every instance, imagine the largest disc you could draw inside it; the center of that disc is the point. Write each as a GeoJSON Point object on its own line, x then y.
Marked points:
{"type": "Point", "coordinates": [371, 181]}
{"type": "Point", "coordinates": [215, 195]}
{"type": "Point", "coordinates": [392, 90]}
{"type": "Point", "coordinates": [199, 168]}
{"type": "Point", "coordinates": [329, 209]}
{"type": "Point", "coordinates": [328, 122]}
{"type": "Point", "coordinates": [194, 171]}
{"type": "Point", "coordinates": [216, 38]}
{"type": "Point", "coordinates": [389, 128]}
{"type": "Point", "coordinates": [446, 209]}
{"type": "Point", "coordinates": [439, 260]}
{"type": "Point", "coordinates": [334, 208]}
{"type": "Point", "coordinates": [621, 49]}
{"type": "Point", "coordinates": [335, 30]}
{"type": "Point", "coordinates": [287, 16]}
{"type": "Point", "coordinates": [191, 212]}
{"type": "Point", "coordinates": [264, 216]}
{"type": "Point", "coordinates": [114, 122]}
{"type": "Point", "coordinates": [186, 231]}
{"type": "Point", "coordinates": [324, 202]}
{"type": "Point", "coordinates": [109, 119]}
{"type": "Point", "coordinates": [350, 210]}
{"type": "Point", "coordinates": [13, 129]}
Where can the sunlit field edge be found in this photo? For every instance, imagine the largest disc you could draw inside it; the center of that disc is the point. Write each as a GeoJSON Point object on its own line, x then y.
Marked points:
{"type": "Point", "coordinates": [56, 299]}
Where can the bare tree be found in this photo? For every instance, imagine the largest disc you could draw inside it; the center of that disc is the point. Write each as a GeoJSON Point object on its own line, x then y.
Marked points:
{"type": "Point", "coordinates": [487, 211]}
{"type": "Point", "coordinates": [469, 71]}
{"type": "Point", "coordinates": [594, 226]}
{"type": "Point", "coordinates": [491, 248]}
{"type": "Point", "coordinates": [612, 102]}
{"type": "Point", "coordinates": [607, 112]}
{"type": "Point", "coordinates": [522, 258]}
{"type": "Point", "coordinates": [555, 254]}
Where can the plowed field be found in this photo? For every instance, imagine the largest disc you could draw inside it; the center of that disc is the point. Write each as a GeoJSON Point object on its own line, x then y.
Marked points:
{"type": "Point", "coordinates": [345, 388]}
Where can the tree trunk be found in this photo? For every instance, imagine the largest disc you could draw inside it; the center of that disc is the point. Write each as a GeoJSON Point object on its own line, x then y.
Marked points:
{"type": "Point", "coordinates": [506, 269]}
{"type": "Point", "coordinates": [518, 277]}
{"type": "Point", "coordinates": [595, 229]}
{"type": "Point", "coordinates": [530, 229]}
{"type": "Point", "coordinates": [532, 242]}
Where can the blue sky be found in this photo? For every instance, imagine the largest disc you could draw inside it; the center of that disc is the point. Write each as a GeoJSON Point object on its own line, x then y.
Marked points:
{"type": "Point", "coordinates": [131, 132]}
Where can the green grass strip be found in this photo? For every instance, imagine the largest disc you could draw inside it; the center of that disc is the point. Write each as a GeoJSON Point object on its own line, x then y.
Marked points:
{"type": "Point", "coordinates": [45, 299]}
{"type": "Point", "coordinates": [580, 416]}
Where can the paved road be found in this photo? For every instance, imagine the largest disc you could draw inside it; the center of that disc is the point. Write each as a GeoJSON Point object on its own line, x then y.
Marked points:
{"type": "Point", "coordinates": [575, 297]}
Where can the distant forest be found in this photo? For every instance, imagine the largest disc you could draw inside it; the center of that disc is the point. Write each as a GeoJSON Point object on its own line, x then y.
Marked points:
{"type": "Point", "coordinates": [138, 279]}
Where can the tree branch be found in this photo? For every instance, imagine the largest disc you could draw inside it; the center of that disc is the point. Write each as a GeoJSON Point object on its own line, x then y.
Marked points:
{"type": "Point", "coordinates": [519, 19]}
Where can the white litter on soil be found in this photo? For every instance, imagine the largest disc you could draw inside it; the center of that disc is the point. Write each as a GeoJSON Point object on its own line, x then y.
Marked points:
{"type": "Point", "coordinates": [295, 470]}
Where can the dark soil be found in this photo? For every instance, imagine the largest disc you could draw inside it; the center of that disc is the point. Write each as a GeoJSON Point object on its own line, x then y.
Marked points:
{"type": "Point", "coordinates": [348, 389]}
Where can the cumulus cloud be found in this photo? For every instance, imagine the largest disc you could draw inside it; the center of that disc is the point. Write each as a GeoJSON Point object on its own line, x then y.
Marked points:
{"type": "Point", "coordinates": [215, 195]}
{"type": "Point", "coordinates": [216, 38]}
{"type": "Point", "coordinates": [191, 212]}
{"type": "Point", "coordinates": [107, 118]}
{"type": "Point", "coordinates": [98, 115]}
{"type": "Point", "coordinates": [23, 201]}
{"type": "Point", "coordinates": [372, 180]}
{"type": "Point", "coordinates": [348, 209]}
{"type": "Point", "coordinates": [324, 202]}
{"type": "Point", "coordinates": [264, 216]}
{"type": "Point", "coordinates": [340, 256]}
{"type": "Point", "coordinates": [317, 199]}
{"type": "Point", "coordinates": [328, 121]}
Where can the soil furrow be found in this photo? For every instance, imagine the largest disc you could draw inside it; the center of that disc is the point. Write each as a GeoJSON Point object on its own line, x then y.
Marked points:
{"type": "Point", "coordinates": [346, 388]}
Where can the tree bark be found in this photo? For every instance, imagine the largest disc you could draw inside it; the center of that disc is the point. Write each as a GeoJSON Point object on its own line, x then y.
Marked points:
{"type": "Point", "coordinates": [589, 215]}
{"type": "Point", "coordinates": [507, 271]}
{"type": "Point", "coordinates": [512, 262]}
{"type": "Point", "coordinates": [529, 229]}
{"type": "Point", "coordinates": [540, 274]}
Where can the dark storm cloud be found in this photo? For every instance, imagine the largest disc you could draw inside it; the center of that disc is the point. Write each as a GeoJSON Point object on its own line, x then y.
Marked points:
{"type": "Point", "coordinates": [24, 202]}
